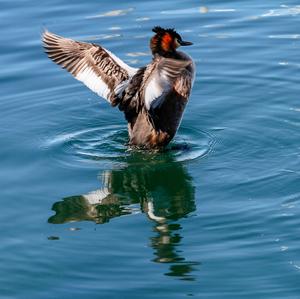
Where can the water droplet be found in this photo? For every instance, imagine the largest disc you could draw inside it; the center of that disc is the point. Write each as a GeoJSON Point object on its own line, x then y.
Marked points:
{"type": "Point", "coordinates": [204, 9]}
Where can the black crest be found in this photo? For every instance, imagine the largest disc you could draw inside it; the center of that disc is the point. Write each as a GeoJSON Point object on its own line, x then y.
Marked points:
{"type": "Point", "coordinates": [159, 30]}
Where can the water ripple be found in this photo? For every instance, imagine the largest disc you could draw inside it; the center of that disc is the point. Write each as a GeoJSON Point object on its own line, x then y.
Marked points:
{"type": "Point", "coordinates": [112, 13]}
{"type": "Point", "coordinates": [283, 11]}
{"type": "Point", "coordinates": [110, 143]}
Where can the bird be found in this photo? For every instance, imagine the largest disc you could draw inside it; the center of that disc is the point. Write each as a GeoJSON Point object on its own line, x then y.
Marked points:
{"type": "Point", "coordinates": [152, 98]}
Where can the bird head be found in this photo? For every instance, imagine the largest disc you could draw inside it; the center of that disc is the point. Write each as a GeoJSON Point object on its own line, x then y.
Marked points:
{"type": "Point", "coordinates": [166, 41]}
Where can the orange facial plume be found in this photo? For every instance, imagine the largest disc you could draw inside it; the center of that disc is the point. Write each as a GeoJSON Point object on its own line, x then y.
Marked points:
{"type": "Point", "coordinates": [167, 42]}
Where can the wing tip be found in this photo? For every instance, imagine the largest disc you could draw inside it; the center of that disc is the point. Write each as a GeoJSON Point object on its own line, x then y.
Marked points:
{"type": "Point", "coordinates": [45, 34]}
{"type": "Point", "coordinates": [45, 37]}
{"type": "Point", "coordinates": [48, 37]}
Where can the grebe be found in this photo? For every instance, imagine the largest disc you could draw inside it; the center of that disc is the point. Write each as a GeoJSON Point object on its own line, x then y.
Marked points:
{"type": "Point", "coordinates": [152, 97]}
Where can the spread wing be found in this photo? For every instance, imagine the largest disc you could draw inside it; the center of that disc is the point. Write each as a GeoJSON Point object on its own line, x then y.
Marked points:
{"type": "Point", "coordinates": [167, 76]}
{"type": "Point", "coordinates": [96, 67]}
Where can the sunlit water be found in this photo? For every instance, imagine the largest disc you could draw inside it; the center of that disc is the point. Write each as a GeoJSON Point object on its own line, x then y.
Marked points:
{"type": "Point", "coordinates": [216, 215]}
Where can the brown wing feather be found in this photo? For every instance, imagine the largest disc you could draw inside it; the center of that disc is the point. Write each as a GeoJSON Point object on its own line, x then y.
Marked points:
{"type": "Point", "coordinates": [183, 84]}
{"type": "Point", "coordinates": [95, 66]}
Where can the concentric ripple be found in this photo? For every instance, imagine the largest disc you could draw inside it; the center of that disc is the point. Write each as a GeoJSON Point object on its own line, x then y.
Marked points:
{"type": "Point", "coordinates": [110, 143]}
{"type": "Point", "coordinates": [190, 144]}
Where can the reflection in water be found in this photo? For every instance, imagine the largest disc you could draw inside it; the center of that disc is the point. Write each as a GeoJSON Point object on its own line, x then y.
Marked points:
{"type": "Point", "coordinates": [155, 182]}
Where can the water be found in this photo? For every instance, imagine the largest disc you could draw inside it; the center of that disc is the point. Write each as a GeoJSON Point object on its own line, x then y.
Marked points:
{"type": "Point", "coordinates": [215, 216]}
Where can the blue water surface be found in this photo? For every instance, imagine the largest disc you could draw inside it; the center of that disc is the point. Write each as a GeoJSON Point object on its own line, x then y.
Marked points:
{"type": "Point", "coordinates": [214, 216]}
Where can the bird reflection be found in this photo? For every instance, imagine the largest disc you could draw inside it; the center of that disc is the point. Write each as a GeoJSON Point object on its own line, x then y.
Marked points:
{"type": "Point", "coordinates": [155, 184]}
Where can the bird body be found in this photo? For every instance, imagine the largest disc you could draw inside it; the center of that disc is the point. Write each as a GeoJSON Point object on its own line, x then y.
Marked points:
{"type": "Point", "coordinates": [152, 98]}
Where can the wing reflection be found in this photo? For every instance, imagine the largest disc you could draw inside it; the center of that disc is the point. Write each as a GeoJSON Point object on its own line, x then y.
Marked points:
{"type": "Point", "coordinates": [154, 184]}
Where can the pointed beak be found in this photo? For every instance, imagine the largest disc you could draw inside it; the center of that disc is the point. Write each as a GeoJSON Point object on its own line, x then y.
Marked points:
{"type": "Point", "coordinates": [184, 43]}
